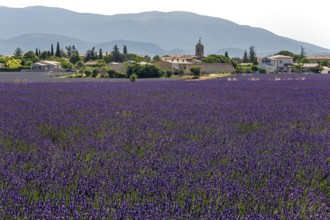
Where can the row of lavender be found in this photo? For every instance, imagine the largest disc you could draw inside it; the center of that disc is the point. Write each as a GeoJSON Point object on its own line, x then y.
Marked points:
{"type": "Point", "coordinates": [176, 150]}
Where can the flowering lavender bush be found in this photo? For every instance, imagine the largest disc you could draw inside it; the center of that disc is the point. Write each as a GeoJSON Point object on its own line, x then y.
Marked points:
{"type": "Point", "coordinates": [166, 150]}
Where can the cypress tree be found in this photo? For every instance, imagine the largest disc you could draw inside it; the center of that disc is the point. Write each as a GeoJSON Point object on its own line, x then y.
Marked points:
{"type": "Point", "coordinates": [100, 54]}
{"type": "Point", "coordinates": [52, 50]}
{"type": "Point", "coordinates": [58, 50]}
{"type": "Point", "coordinates": [125, 49]}
{"type": "Point", "coordinates": [252, 55]}
{"type": "Point", "coordinates": [245, 57]}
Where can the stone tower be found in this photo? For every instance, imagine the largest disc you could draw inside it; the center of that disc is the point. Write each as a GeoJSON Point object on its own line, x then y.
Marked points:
{"type": "Point", "coordinates": [199, 53]}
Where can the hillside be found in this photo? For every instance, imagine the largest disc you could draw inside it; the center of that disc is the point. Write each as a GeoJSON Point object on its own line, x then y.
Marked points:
{"type": "Point", "coordinates": [162, 32]}
{"type": "Point", "coordinates": [43, 42]}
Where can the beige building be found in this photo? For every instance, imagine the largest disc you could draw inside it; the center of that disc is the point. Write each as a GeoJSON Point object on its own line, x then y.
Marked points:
{"type": "Point", "coordinates": [177, 62]}
{"type": "Point", "coordinates": [46, 65]}
{"type": "Point", "coordinates": [2, 65]}
{"type": "Point", "coordinates": [326, 70]}
{"type": "Point", "coordinates": [185, 62]}
{"type": "Point", "coordinates": [316, 59]}
{"type": "Point", "coordinates": [305, 68]}
{"type": "Point", "coordinates": [91, 63]}
{"type": "Point", "coordinates": [122, 67]}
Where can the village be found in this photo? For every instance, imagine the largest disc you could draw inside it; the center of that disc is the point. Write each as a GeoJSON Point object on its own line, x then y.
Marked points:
{"type": "Point", "coordinates": [117, 64]}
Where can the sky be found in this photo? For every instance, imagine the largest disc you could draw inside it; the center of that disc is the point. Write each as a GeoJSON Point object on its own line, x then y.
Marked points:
{"type": "Point", "coordinates": [306, 21]}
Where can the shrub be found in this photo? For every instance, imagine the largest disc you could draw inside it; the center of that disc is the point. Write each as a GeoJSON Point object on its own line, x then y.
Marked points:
{"type": "Point", "coordinates": [179, 72]}
{"type": "Point", "coordinates": [88, 71]}
{"type": "Point", "coordinates": [67, 65]}
{"type": "Point", "coordinates": [133, 77]}
{"type": "Point", "coordinates": [263, 70]}
{"type": "Point", "coordinates": [75, 58]}
{"type": "Point", "coordinates": [169, 73]}
{"type": "Point", "coordinates": [95, 72]}
{"type": "Point", "coordinates": [116, 74]}
{"type": "Point", "coordinates": [80, 65]}
{"type": "Point", "coordinates": [13, 69]}
{"type": "Point", "coordinates": [196, 70]}
{"type": "Point", "coordinates": [244, 69]}
{"type": "Point", "coordinates": [100, 75]}
{"type": "Point", "coordinates": [254, 68]}
{"type": "Point", "coordinates": [81, 70]}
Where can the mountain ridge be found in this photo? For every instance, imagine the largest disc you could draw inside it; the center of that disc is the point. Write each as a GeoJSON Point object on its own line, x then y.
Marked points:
{"type": "Point", "coordinates": [44, 42]}
{"type": "Point", "coordinates": [167, 31]}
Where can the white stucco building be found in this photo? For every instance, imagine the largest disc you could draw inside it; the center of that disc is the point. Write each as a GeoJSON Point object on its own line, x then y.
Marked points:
{"type": "Point", "coordinates": [277, 63]}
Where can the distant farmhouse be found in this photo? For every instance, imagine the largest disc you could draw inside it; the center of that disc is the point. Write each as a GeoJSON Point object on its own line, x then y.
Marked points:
{"type": "Point", "coordinates": [185, 62]}
{"type": "Point", "coordinates": [284, 64]}
{"type": "Point", "coordinates": [277, 63]}
{"type": "Point", "coordinates": [46, 66]}
{"type": "Point", "coordinates": [118, 66]}
{"type": "Point", "coordinates": [317, 59]}
{"type": "Point", "coordinates": [91, 64]}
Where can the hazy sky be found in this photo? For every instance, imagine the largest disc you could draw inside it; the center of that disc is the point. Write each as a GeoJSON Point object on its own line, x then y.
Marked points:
{"type": "Point", "coordinates": [306, 21]}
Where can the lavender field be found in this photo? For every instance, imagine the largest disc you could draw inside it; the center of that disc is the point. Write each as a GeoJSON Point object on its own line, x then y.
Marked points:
{"type": "Point", "coordinates": [215, 149]}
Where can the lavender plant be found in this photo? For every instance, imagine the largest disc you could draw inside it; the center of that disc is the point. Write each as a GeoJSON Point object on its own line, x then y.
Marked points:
{"type": "Point", "coordinates": [166, 150]}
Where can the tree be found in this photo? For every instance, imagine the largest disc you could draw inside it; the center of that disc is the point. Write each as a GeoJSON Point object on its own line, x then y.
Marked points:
{"type": "Point", "coordinates": [67, 65]}
{"type": "Point", "coordinates": [74, 58]}
{"type": "Point", "coordinates": [296, 57]}
{"type": "Point", "coordinates": [302, 52]}
{"type": "Point", "coordinates": [44, 55]}
{"type": "Point", "coordinates": [145, 71]}
{"type": "Point", "coordinates": [13, 63]}
{"type": "Point", "coordinates": [252, 55]}
{"type": "Point", "coordinates": [116, 55]}
{"type": "Point", "coordinates": [115, 49]}
{"type": "Point", "coordinates": [100, 54]}
{"type": "Point", "coordinates": [226, 54]}
{"type": "Point", "coordinates": [156, 58]}
{"type": "Point", "coordinates": [58, 50]}
{"type": "Point", "coordinates": [52, 50]}
{"type": "Point", "coordinates": [125, 49]}
{"type": "Point", "coordinates": [245, 57]}
{"type": "Point", "coordinates": [37, 52]}
{"type": "Point", "coordinates": [18, 52]}
{"type": "Point", "coordinates": [214, 58]}
{"type": "Point", "coordinates": [147, 59]}
{"type": "Point", "coordinates": [91, 55]}
{"type": "Point", "coordinates": [286, 53]}
{"type": "Point", "coordinates": [324, 63]}
{"type": "Point", "coordinates": [30, 56]}
{"type": "Point", "coordinates": [69, 50]}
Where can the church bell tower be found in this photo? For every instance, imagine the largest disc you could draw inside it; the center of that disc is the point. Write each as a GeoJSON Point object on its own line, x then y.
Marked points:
{"type": "Point", "coordinates": [199, 52]}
